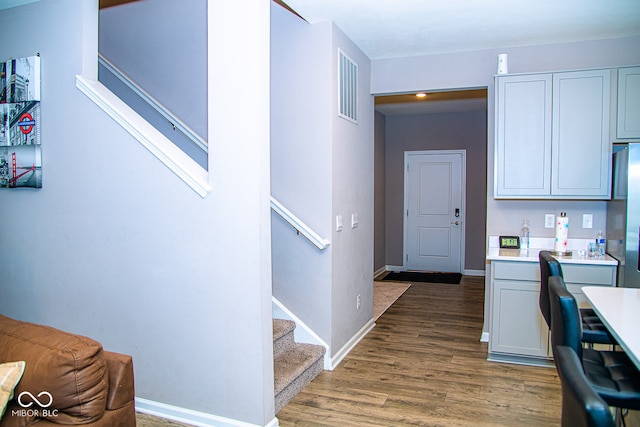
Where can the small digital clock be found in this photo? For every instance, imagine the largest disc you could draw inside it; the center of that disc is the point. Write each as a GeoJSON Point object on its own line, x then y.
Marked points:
{"type": "Point", "coordinates": [509, 242]}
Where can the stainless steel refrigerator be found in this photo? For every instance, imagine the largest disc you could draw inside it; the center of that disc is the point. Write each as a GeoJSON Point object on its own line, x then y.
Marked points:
{"type": "Point", "coordinates": [623, 215]}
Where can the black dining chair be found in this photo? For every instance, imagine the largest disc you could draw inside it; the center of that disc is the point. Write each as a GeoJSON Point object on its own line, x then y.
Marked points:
{"type": "Point", "coordinates": [593, 330]}
{"type": "Point", "coordinates": [581, 405]}
{"type": "Point", "coordinates": [612, 375]}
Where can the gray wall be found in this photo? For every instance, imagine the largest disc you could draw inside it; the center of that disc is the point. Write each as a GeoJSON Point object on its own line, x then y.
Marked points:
{"type": "Point", "coordinates": [352, 187]}
{"type": "Point", "coordinates": [162, 46]}
{"type": "Point", "coordinates": [116, 247]}
{"type": "Point", "coordinates": [441, 131]}
{"type": "Point", "coordinates": [322, 166]}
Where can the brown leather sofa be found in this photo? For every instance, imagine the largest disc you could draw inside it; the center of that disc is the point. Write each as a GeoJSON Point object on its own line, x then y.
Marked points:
{"type": "Point", "coordinates": [68, 379]}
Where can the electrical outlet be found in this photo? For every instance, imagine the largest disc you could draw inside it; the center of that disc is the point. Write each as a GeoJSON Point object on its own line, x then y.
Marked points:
{"type": "Point", "coordinates": [549, 221]}
{"type": "Point", "coordinates": [587, 221]}
{"type": "Point", "coordinates": [358, 302]}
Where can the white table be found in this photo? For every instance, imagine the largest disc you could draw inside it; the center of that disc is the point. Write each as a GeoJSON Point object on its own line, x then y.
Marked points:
{"type": "Point", "coordinates": [619, 310]}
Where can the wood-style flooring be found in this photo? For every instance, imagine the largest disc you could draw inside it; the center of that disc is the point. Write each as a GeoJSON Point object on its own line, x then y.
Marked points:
{"type": "Point", "coordinates": [424, 365]}
{"type": "Point", "coordinates": [144, 420]}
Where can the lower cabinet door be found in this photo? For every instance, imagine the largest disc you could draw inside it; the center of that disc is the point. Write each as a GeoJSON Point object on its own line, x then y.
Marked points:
{"type": "Point", "coordinates": [517, 326]}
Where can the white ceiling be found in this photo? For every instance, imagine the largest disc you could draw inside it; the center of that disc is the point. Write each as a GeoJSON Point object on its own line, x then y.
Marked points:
{"type": "Point", "coordinates": [399, 28]}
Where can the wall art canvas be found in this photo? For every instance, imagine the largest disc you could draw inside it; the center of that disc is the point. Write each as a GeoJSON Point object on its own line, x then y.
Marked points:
{"type": "Point", "coordinates": [20, 123]}
{"type": "Point", "coordinates": [21, 166]}
{"type": "Point", "coordinates": [20, 150]}
{"type": "Point", "coordinates": [23, 79]}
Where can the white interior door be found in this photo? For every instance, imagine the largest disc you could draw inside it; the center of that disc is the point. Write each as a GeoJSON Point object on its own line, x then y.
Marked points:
{"type": "Point", "coordinates": [434, 211]}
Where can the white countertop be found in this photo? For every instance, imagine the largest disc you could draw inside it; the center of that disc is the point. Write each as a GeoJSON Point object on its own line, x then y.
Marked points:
{"type": "Point", "coordinates": [494, 253]}
{"type": "Point", "coordinates": [619, 310]}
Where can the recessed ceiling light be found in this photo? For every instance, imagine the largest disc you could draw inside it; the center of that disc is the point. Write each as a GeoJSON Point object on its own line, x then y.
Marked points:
{"type": "Point", "coordinates": [421, 94]}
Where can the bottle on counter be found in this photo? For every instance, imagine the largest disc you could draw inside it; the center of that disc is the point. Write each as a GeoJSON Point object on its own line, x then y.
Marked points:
{"type": "Point", "coordinates": [601, 243]}
{"type": "Point", "coordinates": [524, 235]}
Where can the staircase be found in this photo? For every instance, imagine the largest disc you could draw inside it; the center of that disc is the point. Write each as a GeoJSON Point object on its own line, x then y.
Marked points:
{"type": "Point", "coordinates": [295, 364]}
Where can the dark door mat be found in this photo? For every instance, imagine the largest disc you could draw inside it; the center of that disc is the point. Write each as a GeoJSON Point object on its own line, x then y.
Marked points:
{"type": "Point", "coordinates": [412, 276]}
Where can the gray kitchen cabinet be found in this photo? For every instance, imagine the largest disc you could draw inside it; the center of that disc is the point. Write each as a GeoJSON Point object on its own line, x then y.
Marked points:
{"type": "Point", "coordinates": [552, 136]}
{"type": "Point", "coordinates": [517, 326]}
{"type": "Point", "coordinates": [580, 149]}
{"type": "Point", "coordinates": [517, 330]}
{"type": "Point", "coordinates": [628, 119]}
{"type": "Point", "coordinates": [523, 136]}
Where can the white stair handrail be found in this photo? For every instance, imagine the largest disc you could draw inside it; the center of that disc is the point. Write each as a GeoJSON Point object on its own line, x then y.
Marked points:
{"type": "Point", "coordinates": [154, 103]}
{"type": "Point", "coordinates": [301, 227]}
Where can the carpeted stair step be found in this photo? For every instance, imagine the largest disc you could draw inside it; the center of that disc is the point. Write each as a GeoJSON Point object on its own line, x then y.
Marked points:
{"type": "Point", "coordinates": [295, 369]}
{"type": "Point", "coordinates": [295, 364]}
{"type": "Point", "coordinates": [283, 337]}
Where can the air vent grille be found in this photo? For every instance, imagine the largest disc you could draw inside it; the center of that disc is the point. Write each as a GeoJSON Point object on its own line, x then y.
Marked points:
{"type": "Point", "coordinates": [348, 96]}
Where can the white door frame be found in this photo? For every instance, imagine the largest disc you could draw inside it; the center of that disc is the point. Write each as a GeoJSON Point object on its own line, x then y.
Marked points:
{"type": "Point", "coordinates": [463, 214]}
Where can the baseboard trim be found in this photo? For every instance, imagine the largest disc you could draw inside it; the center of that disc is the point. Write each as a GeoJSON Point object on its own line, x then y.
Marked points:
{"type": "Point", "coordinates": [335, 360]}
{"type": "Point", "coordinates": [189, 416]}
{"type": "Point", "coordinates": [520, 360]}
{"type": "Point", "coordinates": [484, 337]}
{"type": "Point", "coordinates": [473, 273]}
{"type": "Point", "coordinates": [394, 268]}
{"type": "Point", "coordinates": [379, 271]}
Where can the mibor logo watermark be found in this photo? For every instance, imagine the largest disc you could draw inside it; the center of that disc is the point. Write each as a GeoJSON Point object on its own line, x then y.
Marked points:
{"type": "Point", "coordinates": [42, 400]}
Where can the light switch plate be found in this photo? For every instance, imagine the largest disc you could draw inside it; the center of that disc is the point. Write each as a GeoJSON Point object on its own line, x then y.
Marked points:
{"type": "Point", "coordinates": [549, 221]}
{"type": "Point", "coordinates": [587, 220]}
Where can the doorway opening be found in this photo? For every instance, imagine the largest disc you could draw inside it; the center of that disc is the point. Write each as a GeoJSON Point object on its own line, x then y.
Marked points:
{"type": "Point", "coordinates": [448, 120]}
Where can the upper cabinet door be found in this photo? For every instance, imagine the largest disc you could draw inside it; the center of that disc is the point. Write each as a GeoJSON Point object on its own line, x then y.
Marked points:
{"type": "Point", "coordinates": [628, 103]}
{"type": "Point", "coordinates": [581, 151]}
{"type": "Point", "coordinates": [523, 136]}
